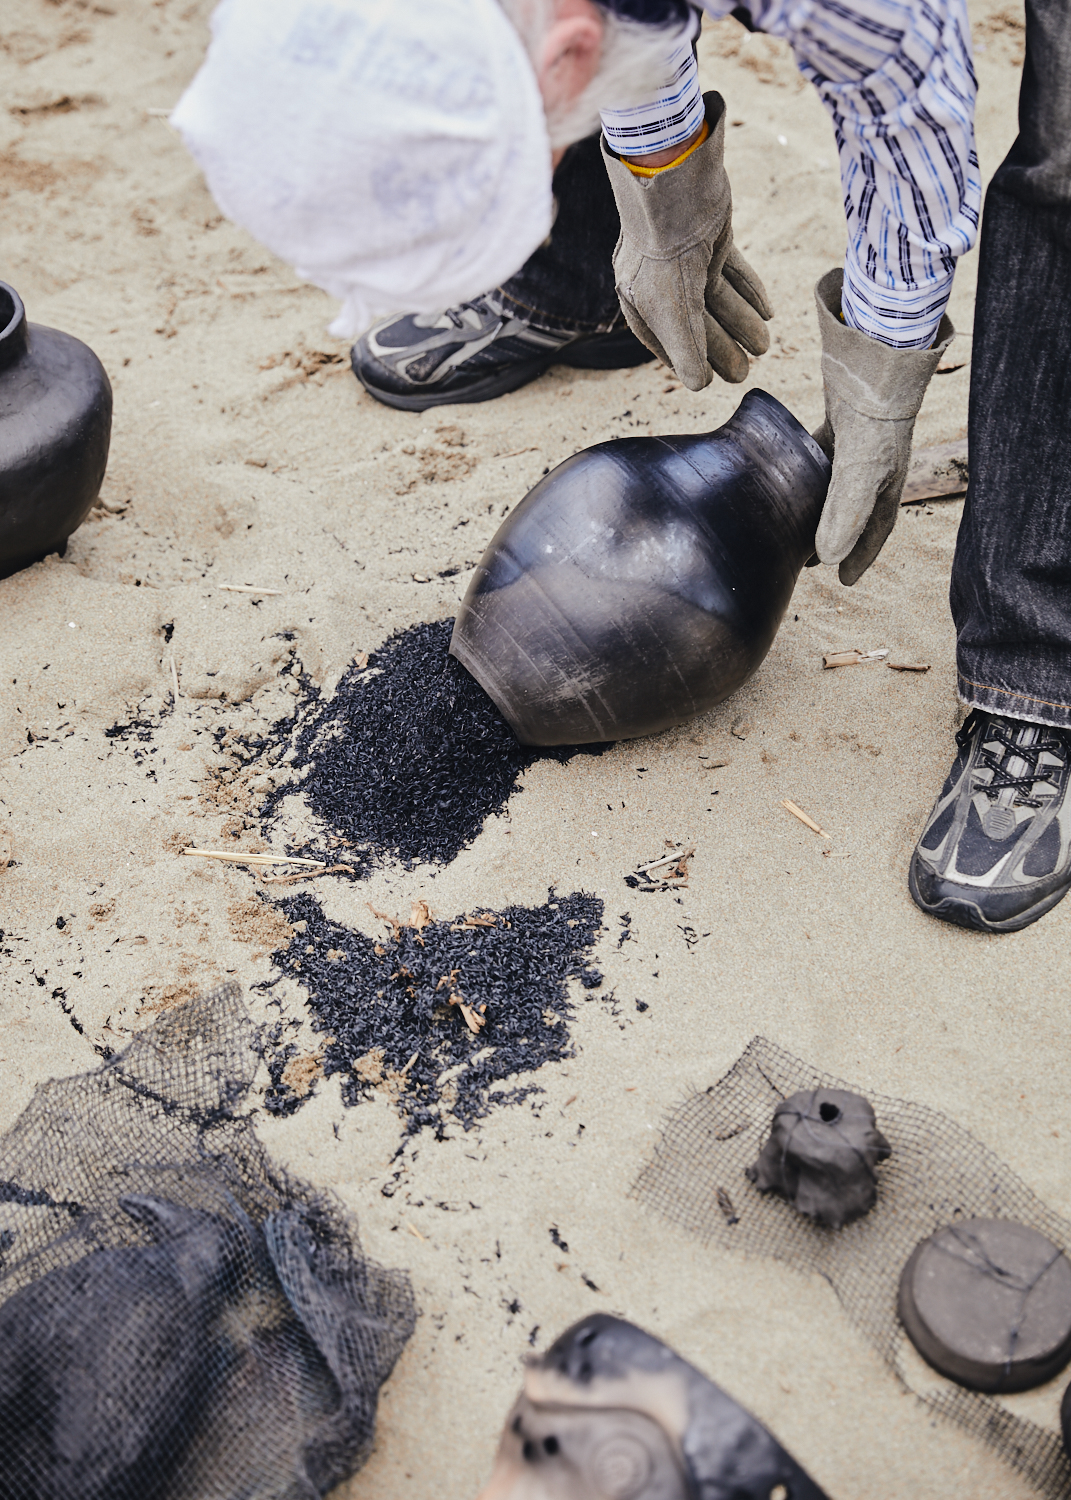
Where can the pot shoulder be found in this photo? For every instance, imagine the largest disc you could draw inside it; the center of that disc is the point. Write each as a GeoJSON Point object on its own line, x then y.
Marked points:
{"type": "Point", "coordinates": [56, 398]}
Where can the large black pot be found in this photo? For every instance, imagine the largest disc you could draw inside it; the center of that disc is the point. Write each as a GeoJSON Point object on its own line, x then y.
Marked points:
{"type": "Point", "coordinates": [55, 425]}
{"type": "Point", "coordinates": [643, 580]}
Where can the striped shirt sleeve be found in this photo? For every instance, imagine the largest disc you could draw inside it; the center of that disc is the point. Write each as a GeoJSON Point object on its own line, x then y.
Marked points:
{"type": "Point", "coordinates": [897, 79]}
{"type": "Point", "coordinates": [670, 118]}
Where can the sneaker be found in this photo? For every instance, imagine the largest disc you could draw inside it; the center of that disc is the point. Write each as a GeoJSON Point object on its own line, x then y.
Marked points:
{"type": "Point", "coordinates": [996, 851]}
{"type": "Point", "coordinates": [475, 352]}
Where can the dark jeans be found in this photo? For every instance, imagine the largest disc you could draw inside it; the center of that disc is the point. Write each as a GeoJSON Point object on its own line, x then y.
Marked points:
{"type": "Point", "coordinates": [1011, 578]}
{"type": "Point", "coordinates": [568, 283]}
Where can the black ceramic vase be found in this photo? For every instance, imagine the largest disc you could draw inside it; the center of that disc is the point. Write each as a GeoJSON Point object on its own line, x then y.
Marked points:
{"type": "Point", "coordinates": [644, 580]}
{"type": "Point", "coordinates": [55, 425]}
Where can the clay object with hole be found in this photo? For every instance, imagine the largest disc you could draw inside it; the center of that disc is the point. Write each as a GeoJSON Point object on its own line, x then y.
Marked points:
{"type": "Point", "coordinates": [644, 579]}
{"type": "Point", "coordinates": [612, 1413]}
{"type": "Point", "coordinates": [987, 1302]}
{"type": "Point", "coordinates": [55, 427]}
{"type": "Point", "coordinates": [822, 1155]}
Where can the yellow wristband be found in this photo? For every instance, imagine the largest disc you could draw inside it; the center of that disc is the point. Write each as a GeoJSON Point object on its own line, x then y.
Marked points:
{"type": "Point", "coordinates": [654, 171]}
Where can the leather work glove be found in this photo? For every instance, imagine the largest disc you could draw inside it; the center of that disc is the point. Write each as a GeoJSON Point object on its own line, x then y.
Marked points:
{"type": "Point", "coordinates": [685, 290]}
{"type": "Point", "coordinates": [873, 393]}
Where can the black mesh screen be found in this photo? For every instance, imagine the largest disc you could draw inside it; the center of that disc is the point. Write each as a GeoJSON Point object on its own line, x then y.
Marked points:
{"type": "Point", "coordinates": [937, 1173]}
{"type": "Point", "coordinates": [179, 1319]}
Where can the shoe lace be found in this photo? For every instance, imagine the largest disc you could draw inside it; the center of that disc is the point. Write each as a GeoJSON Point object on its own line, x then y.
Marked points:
{"type": "Point", "coordinates": [483, 308]}
{"type": "Point", "coordinates": [1051, 740]}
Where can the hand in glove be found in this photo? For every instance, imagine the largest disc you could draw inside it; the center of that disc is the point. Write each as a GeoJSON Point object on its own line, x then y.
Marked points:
{"type": "Point", "coordinates": [686, 291]}
{"type": "Point", "coordinates": [873, 393]}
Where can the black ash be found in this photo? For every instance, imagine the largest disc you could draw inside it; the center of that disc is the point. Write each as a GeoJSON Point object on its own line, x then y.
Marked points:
{"type": "Point", "coordinates": [410, 756]}
{"type": "Point", "coordinates": [485, 995]}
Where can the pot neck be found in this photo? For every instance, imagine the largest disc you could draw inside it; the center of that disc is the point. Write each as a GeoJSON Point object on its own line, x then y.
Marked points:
{"type": "Point", "coordinates": [795, 472]}
{"type": "Point", "coordinates": [12, 326]}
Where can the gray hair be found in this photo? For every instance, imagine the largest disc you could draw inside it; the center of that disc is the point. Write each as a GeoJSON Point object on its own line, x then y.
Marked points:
{"type": "Point", "coordinates": [634, 65]}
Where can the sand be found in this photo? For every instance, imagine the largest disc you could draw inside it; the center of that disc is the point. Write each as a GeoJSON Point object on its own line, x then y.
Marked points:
{"type": "Point", "coordinates": [245, 453]}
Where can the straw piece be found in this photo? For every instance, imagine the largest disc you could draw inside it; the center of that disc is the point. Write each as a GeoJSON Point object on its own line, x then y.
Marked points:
{"type": "Point", "coordinates": [307, 874]}
{"type": "Point", "coordinates": [390, 921]}
{"type": "Point", "coordinates": [246, 588]}
{"type": "Point", "coordinates": [474, 1019]}
{"type": "Point", "coordinates": [852, 658]}
{"type": "Point", "coordinates": [238, 858]}
{"type": "Point", "coordinates": [908, 666]}
{"type": "Point", "coordinates": [667, 859]}
{"type": "Point", "coordinates": [675, 868]}
{"type": "Point", "coordinates": [797, 812]}
{"type": "Point", "coordinates": [174, 679]}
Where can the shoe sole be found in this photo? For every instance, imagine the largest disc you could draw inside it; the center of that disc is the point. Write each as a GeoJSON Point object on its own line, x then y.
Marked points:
{"type": "Point", "coordinates": [594, 353]}
{"type": "Point", "coordinates": [963, 913]}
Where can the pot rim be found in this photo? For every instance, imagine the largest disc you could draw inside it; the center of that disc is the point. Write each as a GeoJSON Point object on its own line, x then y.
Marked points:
{"type": "Point", "coordinates": [11, 344]}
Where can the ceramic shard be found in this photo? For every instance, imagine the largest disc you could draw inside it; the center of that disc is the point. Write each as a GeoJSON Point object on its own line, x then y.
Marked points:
{"type": "Point", "coordinates": [822, 1155]}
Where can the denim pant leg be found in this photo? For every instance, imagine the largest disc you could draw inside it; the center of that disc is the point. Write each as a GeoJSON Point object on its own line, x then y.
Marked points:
{"type": "Point", "coordinates": [568, 283]}
{"type": "Point", "coordinates": [1011, 578]}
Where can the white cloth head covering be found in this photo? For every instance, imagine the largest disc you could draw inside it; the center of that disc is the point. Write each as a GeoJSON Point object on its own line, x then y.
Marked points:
{"type": "Point", "coordinates": [394, 152]}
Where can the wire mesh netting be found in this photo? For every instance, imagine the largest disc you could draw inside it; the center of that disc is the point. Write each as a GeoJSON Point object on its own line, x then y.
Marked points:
{"type": "Point", "coordinates": [938, 1174]}
{"type": "Point", "coordinates": [179, 1319]}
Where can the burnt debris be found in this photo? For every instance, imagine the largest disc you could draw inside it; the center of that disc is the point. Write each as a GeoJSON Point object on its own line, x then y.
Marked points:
{"type": "Point", "coordinates": [410, 756]}
{"type": "Point", "coordinates": [439, 1013]}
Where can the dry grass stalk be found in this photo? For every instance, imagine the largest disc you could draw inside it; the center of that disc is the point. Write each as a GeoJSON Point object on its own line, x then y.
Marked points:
{"type": "Point", "coordinates": [475, 1019]}
{"type": "Point", "coordinates": [851, 658]}
{"type": "Point", "coordinates": [414, 1230]}
{"type": "Point", "coordinates": [419, 918]}
{"type": "Point", "coordinates": [307, 874]}
{"type": "Point", "coordinates": [797, 812]}
{"type": "Point", "coordinates": [174, 679]}
{"type": "Point", "coordinates": [667, 859]}
{"type": "Point", "coordinates": [238, 858]}
{"type": "Point", "coordinates": [674, 868]}
{"type": "Point", "coordinates": [390, 921]}
{"type": "Point", "coordinates": [249, 588]}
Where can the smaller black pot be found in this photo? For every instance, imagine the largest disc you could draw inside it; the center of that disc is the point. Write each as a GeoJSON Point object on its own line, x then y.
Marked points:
{"type": "Point", "coordinates": [55, 427]}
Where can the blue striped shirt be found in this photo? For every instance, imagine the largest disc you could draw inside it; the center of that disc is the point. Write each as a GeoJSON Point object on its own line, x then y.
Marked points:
{"type": "Point", "coordinates": [898, 81]}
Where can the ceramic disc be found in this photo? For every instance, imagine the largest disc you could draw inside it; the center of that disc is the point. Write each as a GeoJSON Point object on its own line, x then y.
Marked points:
{"type": "Point", "coordinates": [987, 1302]}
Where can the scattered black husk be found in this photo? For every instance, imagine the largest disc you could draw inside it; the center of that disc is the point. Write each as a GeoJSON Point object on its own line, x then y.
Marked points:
{"type": "Point", "coordinates": [388, 993]}
{"type": "Point", "coordinates": [411, 756]}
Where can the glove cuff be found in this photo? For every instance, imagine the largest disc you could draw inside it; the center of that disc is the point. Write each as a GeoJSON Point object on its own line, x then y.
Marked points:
{"type": "Point", "coordinates": [873, 378]}
{"type": "Point", "coordinates": [670, 213]}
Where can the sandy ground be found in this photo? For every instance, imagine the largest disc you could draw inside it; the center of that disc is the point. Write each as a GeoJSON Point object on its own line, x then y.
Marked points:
{"type": "Point", "coordinates": [244, 452]}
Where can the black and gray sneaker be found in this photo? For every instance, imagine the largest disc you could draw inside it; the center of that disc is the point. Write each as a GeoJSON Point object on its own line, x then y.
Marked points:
{"type": "Point", "coordinates": [996, 851]}
{"type": "Point", "coordinates": [475, 352]}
